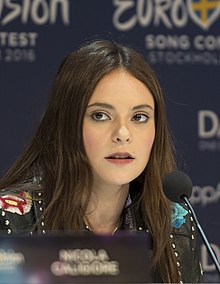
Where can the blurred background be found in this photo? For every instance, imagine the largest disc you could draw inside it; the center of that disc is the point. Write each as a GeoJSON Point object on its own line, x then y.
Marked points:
{"type": "Point", "coordinates": [180, 39]}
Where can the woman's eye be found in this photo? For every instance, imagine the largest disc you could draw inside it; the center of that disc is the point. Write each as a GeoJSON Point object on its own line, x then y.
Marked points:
{"type": "Point", "coordinates": [100, 116]}
{"type": "Point", "coordinates": [140, 117]}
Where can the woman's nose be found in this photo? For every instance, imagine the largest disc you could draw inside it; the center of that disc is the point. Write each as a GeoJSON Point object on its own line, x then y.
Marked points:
{"type": "Point", "coordinates": [122, 135]}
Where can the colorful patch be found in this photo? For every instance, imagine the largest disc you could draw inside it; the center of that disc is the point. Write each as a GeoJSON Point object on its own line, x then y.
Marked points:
{"type": "Point", "coordinates": [178, 213]}
{"type": "Point", "coordinates": [16, 203]}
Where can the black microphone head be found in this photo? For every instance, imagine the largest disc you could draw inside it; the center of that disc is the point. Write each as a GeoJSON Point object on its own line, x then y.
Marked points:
{"type": "Point", "coordinates": [176, 185]}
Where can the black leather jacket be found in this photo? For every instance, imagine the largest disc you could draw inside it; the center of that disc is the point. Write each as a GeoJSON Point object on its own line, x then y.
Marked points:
{"type": "Point", "coordinates": [17, 216]}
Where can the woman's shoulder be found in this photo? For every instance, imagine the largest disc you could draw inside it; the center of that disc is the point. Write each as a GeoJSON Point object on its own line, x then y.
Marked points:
{"type": "Point", "coordinates": [185, 245]}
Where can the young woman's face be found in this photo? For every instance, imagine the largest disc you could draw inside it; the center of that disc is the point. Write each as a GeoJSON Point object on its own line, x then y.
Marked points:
{"type": "Point", "coordinates": [119, 128]}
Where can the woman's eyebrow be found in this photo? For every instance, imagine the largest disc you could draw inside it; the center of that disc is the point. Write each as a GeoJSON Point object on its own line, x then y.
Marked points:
{"type": "Point", "coordinates": [142, 107]}
{"type": "Point", "coordinates": [108, 106]}
{"type": "Point", "coordinates": [102, 105]}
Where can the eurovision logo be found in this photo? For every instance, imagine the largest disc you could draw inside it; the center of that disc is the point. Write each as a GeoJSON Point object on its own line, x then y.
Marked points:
{"type": "Point", "coordinates": [204, 12]}
{"type": "Point", "coordinates": [170, 13]}
{"type": "Point", "coordinates": [40, 12]}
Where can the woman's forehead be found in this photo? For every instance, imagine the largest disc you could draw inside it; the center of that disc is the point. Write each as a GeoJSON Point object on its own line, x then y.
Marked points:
{"type": "Point", "coordinates": [119, 86]}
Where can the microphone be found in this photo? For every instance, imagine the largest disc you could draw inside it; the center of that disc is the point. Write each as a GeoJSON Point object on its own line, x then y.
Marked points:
{"type": "Point", "coordinates": [177, 187]}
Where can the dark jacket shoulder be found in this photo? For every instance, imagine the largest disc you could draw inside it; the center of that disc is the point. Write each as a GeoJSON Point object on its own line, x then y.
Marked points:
{"type": "Point", "coordinates": [185, 244]}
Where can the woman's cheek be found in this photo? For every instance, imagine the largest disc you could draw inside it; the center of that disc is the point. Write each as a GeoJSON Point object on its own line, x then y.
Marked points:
{"type": "Point", "coordinates": [91, 140]}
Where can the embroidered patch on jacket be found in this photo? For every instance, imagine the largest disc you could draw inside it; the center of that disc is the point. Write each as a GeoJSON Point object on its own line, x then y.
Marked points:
{"type": "Point", "coordinates": [20, 203]}
{"type": "Point", "coordinates": [178, 213]}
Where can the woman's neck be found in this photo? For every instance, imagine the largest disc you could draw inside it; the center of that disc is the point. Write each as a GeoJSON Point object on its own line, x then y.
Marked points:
{"type": "Point", "coordinates": [105, 208]}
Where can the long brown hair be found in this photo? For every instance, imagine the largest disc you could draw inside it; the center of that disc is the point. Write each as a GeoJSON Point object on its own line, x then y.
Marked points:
{"type": "Point", "coordinates": [58, 156]}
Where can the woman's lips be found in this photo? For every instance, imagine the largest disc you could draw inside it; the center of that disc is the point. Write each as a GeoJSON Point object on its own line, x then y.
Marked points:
{"type": "Point", "coordinates": [120, 158]}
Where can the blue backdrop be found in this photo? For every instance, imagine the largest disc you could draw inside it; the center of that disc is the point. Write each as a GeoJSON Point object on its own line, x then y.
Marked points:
{"type": "Point", "coordinates": [181, 40]}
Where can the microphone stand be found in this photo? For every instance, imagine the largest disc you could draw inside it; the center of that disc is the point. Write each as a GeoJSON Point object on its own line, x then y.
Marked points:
{"type": "Point", "coordinates": [210, 250]}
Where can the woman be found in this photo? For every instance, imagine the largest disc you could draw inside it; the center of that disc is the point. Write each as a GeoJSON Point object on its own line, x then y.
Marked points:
{"type": "Point", "coordinates": [98, 160]}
